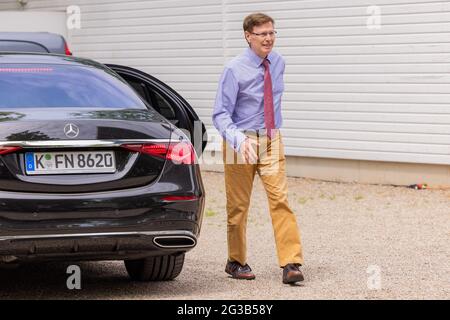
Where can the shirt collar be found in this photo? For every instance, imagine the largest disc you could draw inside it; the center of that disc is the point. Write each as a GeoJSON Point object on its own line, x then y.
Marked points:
{"type": "Point", "coordinates": [257, 60]}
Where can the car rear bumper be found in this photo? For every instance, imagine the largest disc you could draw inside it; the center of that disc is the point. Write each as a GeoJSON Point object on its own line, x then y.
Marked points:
{"type": "Point", "coordinates": [111, 225]}
{"type": "Point", "coordinates": [119, 234]}
{"type": "Point", "coordinates": [94, 246]}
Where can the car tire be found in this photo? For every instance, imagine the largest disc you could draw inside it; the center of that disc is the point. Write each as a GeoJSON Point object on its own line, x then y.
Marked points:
{"type": "Point", "coordinates": [158, 268]}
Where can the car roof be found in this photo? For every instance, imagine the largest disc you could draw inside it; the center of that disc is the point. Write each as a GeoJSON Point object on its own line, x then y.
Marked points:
{"type": "Point", "coordinates": [29, 36]}
{"type": "Point", "coordinates": [47, 58]}
{"type": "Point", "coordinates": [52, 42]}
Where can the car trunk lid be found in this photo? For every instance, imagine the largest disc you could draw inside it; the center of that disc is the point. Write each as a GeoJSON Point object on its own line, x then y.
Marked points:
{"type": "Point", "coordinates": [63, 144]}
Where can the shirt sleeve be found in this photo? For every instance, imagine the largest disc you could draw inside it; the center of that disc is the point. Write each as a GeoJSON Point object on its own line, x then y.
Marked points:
{"type": "Point", "coordinates": [224, 108]}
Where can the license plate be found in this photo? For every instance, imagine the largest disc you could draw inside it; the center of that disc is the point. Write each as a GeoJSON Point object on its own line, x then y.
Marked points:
{"type": "Point", "coordinates": [69, 162]}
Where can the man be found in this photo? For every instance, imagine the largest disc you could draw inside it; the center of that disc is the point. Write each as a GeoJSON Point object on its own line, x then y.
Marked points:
{"type": "Point", "coordinates": [247, 113]}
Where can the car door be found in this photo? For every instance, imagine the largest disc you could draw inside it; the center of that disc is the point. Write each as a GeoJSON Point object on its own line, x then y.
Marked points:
{"type": "Point", "coordinates": [167, 102]}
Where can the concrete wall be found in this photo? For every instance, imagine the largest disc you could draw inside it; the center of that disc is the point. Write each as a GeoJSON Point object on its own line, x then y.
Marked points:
{"type": "Point", "coordinates": [371, 172]}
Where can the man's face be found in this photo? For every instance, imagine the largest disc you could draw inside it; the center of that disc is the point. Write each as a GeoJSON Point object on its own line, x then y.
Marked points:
{"type": "Point", "coordinates": [260, 39]}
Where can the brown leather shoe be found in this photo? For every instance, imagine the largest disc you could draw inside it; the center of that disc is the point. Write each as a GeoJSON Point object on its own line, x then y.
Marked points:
{"type": "Point", "coordinates": [292, 273]}
{"type": "Point", "coordinates": [238, 271]}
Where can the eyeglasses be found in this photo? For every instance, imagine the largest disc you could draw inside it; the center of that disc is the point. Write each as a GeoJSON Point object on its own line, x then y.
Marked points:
{"type": "Point", "coordinates": [271, 34]}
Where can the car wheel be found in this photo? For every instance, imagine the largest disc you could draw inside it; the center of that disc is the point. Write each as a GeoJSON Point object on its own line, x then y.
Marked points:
{"type": "Point", "coordinates": [159, 268]}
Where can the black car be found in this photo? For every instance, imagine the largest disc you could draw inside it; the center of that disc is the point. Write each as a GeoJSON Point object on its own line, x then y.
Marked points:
{"type": "Point", "coordinates": [96, 163]}
{"type": "Point", "coordinates": [40, 42]}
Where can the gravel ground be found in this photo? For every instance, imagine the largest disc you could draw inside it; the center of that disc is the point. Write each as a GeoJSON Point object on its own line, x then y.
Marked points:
{"type": "Point", "coordinates": [351, 233]}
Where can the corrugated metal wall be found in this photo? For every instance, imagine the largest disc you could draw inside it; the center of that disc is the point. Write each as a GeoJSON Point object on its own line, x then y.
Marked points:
{"type": "Point", "coordinates": [351, 92]}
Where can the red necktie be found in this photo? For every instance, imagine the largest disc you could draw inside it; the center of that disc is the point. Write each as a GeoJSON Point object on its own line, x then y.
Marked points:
{"type": "Point", "coordinates": [269, 118]}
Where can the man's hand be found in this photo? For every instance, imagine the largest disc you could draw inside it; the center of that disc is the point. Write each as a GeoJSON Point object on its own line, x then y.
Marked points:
{"type": "Point", "coordinates": [247, 150]}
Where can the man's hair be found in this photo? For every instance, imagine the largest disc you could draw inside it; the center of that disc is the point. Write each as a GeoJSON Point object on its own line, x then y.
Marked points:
{"type": "Point", "coordinates": [256, 19]}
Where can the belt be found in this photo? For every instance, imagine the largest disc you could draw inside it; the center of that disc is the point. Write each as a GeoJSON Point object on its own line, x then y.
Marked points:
{"type": "Point", "coordinates": [263, 132]}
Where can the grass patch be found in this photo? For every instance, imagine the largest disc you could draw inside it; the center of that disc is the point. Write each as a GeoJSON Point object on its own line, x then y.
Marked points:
{"type": "Point", "coordinates": [210, 213]}
{"type": "Point", "coordinates": [359, 197]}
{"type": "Point", "coordinates": [302, 200]}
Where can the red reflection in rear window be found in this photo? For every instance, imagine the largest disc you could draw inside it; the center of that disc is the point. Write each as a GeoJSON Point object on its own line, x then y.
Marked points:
{"type": "Point", "coordinates": [25, 70]}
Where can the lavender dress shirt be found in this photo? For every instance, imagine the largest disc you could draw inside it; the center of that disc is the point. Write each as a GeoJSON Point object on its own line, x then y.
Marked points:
{"type": "Point", "coordinates": [239, 104]}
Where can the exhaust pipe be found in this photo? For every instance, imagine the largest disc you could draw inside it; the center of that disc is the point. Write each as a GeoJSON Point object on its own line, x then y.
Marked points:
{"type": "Point", "coordinates": [8, 259]}
{"type": "Point", "coordinates": [174, 241]}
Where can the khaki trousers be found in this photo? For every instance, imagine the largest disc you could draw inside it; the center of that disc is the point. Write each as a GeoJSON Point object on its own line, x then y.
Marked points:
{"type": "Point", "coordinates": [239, 183]}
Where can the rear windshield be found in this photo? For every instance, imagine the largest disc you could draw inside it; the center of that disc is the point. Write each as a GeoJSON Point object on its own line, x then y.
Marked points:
{"type": "Point", "coordinates": [62, 86]}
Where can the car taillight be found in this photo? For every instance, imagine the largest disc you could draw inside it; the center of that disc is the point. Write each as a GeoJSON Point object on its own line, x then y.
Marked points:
{"type": "Point", "coordinates": [6, 150]}
{"type": "Point", "coordinates": [179, 153]}
{"type": "Point", "coordinates": [179, 198]}
{"type": "Point", "coordinates": [156, 150]}
{"type": "Point", "coordinates": [66, 49]}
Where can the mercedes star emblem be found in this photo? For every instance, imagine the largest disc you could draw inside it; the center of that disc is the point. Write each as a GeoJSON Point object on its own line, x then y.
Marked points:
{"type": "Point", "coordinates": [71, 130]}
